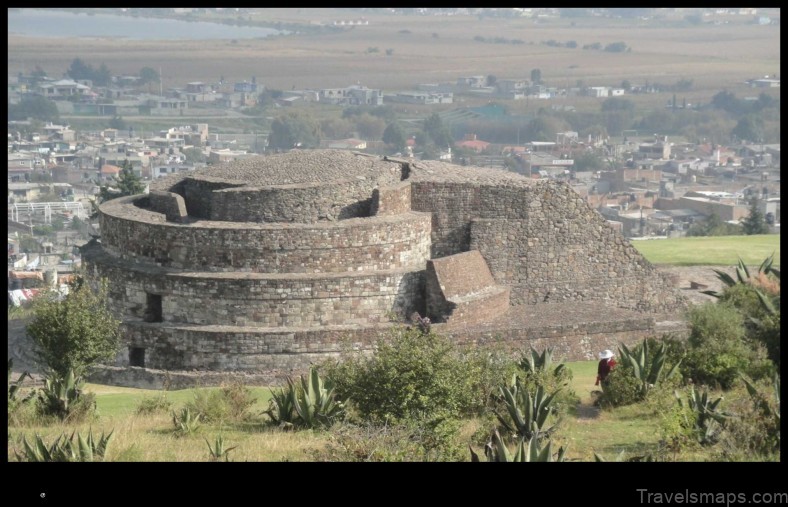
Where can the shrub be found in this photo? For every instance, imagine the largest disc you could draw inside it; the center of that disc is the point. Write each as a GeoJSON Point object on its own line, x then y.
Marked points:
{"type": "Point", "coordinates": [621, 387]}
{"type": "Point", "coordinates": [755, 434]}
{"type": "Point", "coordinates": [676, 426]}
{"type": "Point", "coordinates": [76, 332]}
{"type": "Point", "coordinates": [228, 403]}
{"type": "Point", "coordinates": [154, 405]}
{"type": "Point", "coordinates": [239, 399]}
{"type": "Point", "coordinates": [717, 351]}
{"type": "Point", "coordinates": [417, 375]}
{"type": "Point", "coordinates": [416, 441]}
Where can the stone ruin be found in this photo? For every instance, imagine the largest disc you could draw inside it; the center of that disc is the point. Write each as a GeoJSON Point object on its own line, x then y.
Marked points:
{"type": "Point", "coordinates": [268, 264]}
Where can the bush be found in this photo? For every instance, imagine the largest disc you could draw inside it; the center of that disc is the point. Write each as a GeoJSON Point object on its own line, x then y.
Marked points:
{"type": "Point", "coordinates": [754, 435]}
{"type": "Point", "coordinates": [417, 375]}
{"type": "Point", "coordinates": [717, 351]}
{"type": "Point", "coordinates": [415, 441]}
{"type": "Point", "coordinates": [228, 403]}
{"type": "Point", "coordinates": [153, 405]}
{"type": "Point", "coordinates": [676, 424]}
{"type": "Point", "coordinates": [76, 332]}
{"type": "Point", "coordinates": [621, 387]}
{"type": "Point", "coordinates": [651, 365]}
{"type": "Point", "coordinates": [761, 325]}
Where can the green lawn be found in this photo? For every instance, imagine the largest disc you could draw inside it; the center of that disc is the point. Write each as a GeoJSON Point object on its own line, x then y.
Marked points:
{"type": "Point", "coordinates": [114, 401]}
{"type": "Point", "coordinates": [714, 250]}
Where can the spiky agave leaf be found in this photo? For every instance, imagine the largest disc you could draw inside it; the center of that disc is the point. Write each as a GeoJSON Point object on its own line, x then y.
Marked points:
{"type": "Point", "coordinates": [725, 277]}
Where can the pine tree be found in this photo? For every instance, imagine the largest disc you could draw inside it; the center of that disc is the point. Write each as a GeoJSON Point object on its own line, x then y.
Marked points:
{"type": "Point", "coordinates": [755, 223]}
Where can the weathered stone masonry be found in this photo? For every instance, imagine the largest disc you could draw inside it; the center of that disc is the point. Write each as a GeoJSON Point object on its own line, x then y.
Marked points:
{"type": "Point", "coordinates": [265, 265]}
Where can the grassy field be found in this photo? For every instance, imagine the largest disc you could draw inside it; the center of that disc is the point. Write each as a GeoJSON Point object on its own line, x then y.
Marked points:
{"type": "Point", "coordinates": [633, 429]}
{"type": "Point", "coordinates": [713, 251]}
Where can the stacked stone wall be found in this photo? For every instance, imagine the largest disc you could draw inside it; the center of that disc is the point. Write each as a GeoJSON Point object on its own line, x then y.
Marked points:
{"type": "Point", "coordinates": [275, 353]}
{"type": "Point", "coordinates": [375, 243]}
{"type": "Point", "coordinates": [293, 203]}
{"type": "Point", "coordinates": [170, 204]}
{"type": "Point", "coordinates": [264, 300]}
{"type": "Point", "coordinates": [452, 205]}
{"type": "Point", "coordinates": [545, 242]}
{"type": "Point", "coordinates": [391, 200]}
{"type": "Point", "coordinates": [198, 194]}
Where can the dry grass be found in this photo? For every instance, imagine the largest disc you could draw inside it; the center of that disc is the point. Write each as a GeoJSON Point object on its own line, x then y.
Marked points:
{"type": "Point", "coordinates": [713, 56]}
{"type": "Point", "coordinates": [635, 429]}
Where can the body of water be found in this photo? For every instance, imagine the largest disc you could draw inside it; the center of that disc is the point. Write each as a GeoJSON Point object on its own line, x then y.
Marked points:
{"type": "Point", "coordinates": [47, 23]}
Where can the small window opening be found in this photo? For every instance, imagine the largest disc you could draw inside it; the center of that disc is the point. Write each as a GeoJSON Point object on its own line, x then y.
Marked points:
{"type": "Point", "coordinates": [137, 356]}
{"type": "Point", "coordinates": [153, 311]}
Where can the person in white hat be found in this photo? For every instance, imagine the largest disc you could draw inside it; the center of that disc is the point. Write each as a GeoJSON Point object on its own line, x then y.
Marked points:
{"type": "Point", "coordinates": [606, 364]}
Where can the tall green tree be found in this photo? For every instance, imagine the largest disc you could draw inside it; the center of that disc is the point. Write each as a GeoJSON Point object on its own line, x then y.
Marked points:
{"type": "Point", "coordinates": [536, 76]}
{"type": "Point", "coordinates": [75, 332]}
{"type": "Point", "coordinates": [127, 183]}
{"type": "Point", "coordinates": [394, 136]}
{"type": "Point", "coordinates": [749, 128]}
{"type": "Point", "coordinates": [437, 131]}
{"type": "Point", "coordinates": [38, 108]}
{"type": "Point", "coordinates": [80, 70]}
{"type": "Point", "coordinates": [755, 223]}
{"type": "Point", "coordinates": [294, 130]}
{"type": "Point", "coordinates": [148, 75]}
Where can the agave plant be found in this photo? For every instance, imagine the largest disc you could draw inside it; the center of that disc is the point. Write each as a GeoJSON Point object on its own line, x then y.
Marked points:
{"type": "Point", "coordinates": [65, 449]}
{"type": "Point", "coordinates": [760, 402]}
{"type": "Point", "coordinates": [218, 451]}
{"type": "Point", "coordinates": [743, 274]}
{"type": "Point", "coordinates": [281, 408]}
{"type": "Point", "coordinates": [185, 422]}
{"type": "Point", "coordinates": [526, 450]}
{"type": "Point", "coordinates": [59, 394]}
{"type": "Point", "coordinates": [13, 387]}
{"type": "Point", "coordinates": [648, 374]}
{"type": "Point", "coordinates": [708, 420]}
{"type": "Point", "coordinates": [527, 415]}
{"type": "Point", "coordinates": [315, 403]}
{"type": "Point", "coordinates": [533, 362]}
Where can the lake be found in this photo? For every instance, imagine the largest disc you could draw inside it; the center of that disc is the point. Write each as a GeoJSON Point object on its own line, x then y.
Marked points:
{"type": "Point", "coordinates": [47, 23]}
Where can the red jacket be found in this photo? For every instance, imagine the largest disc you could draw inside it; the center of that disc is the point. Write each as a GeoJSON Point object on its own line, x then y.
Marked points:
{"type": "Point", "coordinates": [604, 368]}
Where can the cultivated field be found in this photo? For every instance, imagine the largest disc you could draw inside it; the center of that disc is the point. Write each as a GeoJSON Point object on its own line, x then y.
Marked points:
{"type": "Point", "coordinates": [433, 49]}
